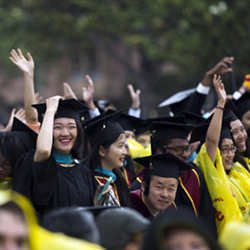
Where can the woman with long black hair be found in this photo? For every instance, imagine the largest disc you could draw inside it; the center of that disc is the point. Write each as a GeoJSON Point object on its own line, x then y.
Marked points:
{"type": "Point", "coordinates": [108, 151]}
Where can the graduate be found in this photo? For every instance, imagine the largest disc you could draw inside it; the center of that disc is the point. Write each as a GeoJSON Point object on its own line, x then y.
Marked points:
{"type": "Point", "coordinates": [58, 177]}
{"type": "Point", "coordinates": [219, 135]}
{"type": "Point", "coordinates": [159, 186]}
{"type": "Point", "coordinates": [107, 155]}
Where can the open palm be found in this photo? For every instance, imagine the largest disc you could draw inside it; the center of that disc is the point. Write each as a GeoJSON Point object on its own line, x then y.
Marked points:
{"type": "Point", "coordinates": [26, 65]}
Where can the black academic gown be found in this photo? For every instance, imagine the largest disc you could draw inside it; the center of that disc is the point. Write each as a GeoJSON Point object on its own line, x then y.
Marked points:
{"type": "Point", "coordinates": [51, 185]}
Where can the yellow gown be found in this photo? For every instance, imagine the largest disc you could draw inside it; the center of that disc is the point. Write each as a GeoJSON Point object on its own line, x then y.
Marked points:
{"type": "Point", "coordinates": [223, 198]}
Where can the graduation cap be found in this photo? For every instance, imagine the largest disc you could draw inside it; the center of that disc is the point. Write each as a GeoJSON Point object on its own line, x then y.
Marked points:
{"type": "Point", "coordinates": [171, 130]}
{"type": "Point", "coordinates": [163, 165]}
{"type": "Point", "coordinates": [243, 104]}
{"type": "Point", "coordinates": [137, 125]}
{"type": "Point", "coordinates": [70, 108]}
{"type": "Point", "coordinates": [103, 129]}
{"type": "Point", "coordinates": [178, 101]}
{"type": "Point", "coordinates": [18, 125]}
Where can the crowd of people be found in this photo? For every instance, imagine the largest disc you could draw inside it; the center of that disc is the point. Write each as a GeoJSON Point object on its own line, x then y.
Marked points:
{"type": "Point", "coordinates": [77, 173]}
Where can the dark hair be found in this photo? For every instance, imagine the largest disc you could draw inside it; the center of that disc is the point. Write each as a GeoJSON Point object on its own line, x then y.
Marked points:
{"type": "Point", "coordinates": [159, 141]}
{"type": "Point", "coordinates": [72, 221]}
{"type": "Point", "coordinates": [122, 187]}
{"type": "Point", "coordinates": [146, 182]}
{"type": "Point", "coordinates": [14, 209]}
{"type": "Point", "coordinates": [78, 149]}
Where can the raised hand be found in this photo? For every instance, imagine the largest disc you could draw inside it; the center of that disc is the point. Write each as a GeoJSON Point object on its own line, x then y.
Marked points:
{"type": "Point", "coordinates": [88, 93]}
{"type": "Point", "coordinates": [221, 68]}
{"type": "Point", "coordinates": [52, 103]}
{"type": "Point", "coordinates": [68, 93]}
{"type": "Point", "coordinates": [135, 97]}
{"type": "Point", "coordinates": [20, 114]}
{"type": "Point", "coordinates": [25, 65]}
{"type": "Point", "coordinates": [220, 90]}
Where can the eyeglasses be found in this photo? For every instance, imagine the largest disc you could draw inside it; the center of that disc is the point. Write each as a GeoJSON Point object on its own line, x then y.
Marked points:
{"type": "Point", "coordinates": [228, 150]}
{"type": "Point", "coordinates": [179, 149]}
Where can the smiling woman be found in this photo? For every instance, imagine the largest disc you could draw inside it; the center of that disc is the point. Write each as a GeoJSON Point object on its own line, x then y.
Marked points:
{"type": "Point", "coordinates": [108, 152]}
{"type": "Point", "coordinates": [58, 176]}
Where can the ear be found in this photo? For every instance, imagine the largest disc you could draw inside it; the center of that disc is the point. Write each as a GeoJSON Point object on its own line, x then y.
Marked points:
{"type": "Point", "coordinates": [102, 151]}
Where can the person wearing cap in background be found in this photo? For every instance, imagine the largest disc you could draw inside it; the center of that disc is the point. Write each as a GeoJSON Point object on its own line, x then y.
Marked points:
{"type": "Point", "coordinates": [121, 228]}
{"type": "Point", "coordinates": [241, 99]}
{"type": "Point", "coordinates": [159, 186]}
{"type": "Point", "coordinates": [178, 229]}
{"type": "Point", "coordinates": [58, 178]}
{"type": "Point", "coordinates": [107, 154]}
{"type": "Point", "coordinates": [193, 99]}
{"type": "Point", "coordinates": [192, 192]}
{"type": "Point", "coordinates": [228, 199]}
{"type": "Point", "coordinates": [235, 172]}
{"type": "Point", "coordinates": [134, 127]}
{"type": "Point", "coordinates": [13, 144]}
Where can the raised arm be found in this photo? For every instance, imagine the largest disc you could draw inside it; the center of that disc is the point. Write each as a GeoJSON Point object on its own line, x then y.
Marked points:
{"type": "Point", "coordinates": [214, 129]}
{"type": "Point", "coordinates": [45, 137]}
{"type": "Point", "coordinates": [27, 67]}
{"type": "Point", "coordinates": [136, 101]}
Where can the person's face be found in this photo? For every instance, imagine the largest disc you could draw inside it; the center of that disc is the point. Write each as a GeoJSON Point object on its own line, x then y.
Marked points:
{"type": "Point", "coordinates": [114, 156]}
{"type": "Point", "coordinates": [179, 148]}
{"type": "Point", "coordinates": [143, 139]}
{"type": "Point", "coordinates": [13, 232]}
{"type": "Point", "coordinates": [184, 240]}
{"type": "Point", "coordinates": [64, 134]}
{"type": "Point", "coordinates": [162, 192]}
{"type": "Point", "coordinates": [246, 119]}
{"type": "Point", "coordinates": [239, 135]}
{"type": "Point", "coordinates": [227, 153]}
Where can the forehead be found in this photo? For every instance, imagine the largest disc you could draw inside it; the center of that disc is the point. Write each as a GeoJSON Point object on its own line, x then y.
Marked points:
{"type": "Point", "coordinates": [12, 225]}
{"type": "Point", "coordinates": [226, 142]}
{"type": "Point", "coordinates": [236, 124]}
{"type": "Point", "coordinates": [64, 120]}
{"type": "Point", "coordinates": [121, 138]}
{"type": "Point", "coordinates": [164, 180]}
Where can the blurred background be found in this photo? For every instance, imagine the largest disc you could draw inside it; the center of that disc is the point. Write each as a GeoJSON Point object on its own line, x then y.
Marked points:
{"type": "Point", "coordinates": [160, 46]}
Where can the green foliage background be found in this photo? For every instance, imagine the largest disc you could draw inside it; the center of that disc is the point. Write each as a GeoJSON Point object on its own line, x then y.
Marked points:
{"type": "Point", "coordinates": [189, 35]}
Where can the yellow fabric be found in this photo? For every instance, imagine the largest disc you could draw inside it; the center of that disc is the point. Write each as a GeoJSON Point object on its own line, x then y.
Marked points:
{"type": "Point", "coordinates": [240, 177]}
{"type": "Point", "coordinates": [5, 183]}
{"type": "Point", "coordinates": [137, 150]}
{"type": "Point", "coordinates": [248, 162]}
{"type": "Point", "coordinates": [225, 205]}
{"type": "Point", "coordinates": [235, 236]}
{"type": "Point", "coordinates": [39, 238]}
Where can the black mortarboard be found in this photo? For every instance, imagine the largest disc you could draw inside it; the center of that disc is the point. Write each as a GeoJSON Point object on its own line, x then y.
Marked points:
{"type": "Point", "coordinates": [18, 125]}
{"type": "Point", "coordinates": [192, 118]}
{"type": "Point", "coordinates": [243, 104]}
{"type": "Point", "coordinates": [103, 129]}
{"type": "Point", "coordinates": [70, 108]}
{"type": "Point", "coordinates": [163, 165]}
{"type": "Point", "coordinates": [164, 132]}
{"type": "Point", "coordinates": [171, 130]}
{"type": "Point", "coordinates": [178, 101]}
{"type": "Point", "coordinates": [132, 123]}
